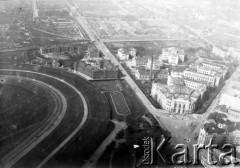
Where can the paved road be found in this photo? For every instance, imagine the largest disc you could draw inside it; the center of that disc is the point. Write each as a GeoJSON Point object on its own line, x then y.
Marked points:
{"type": "Point", "coordinates": [141, 38]}
{"type": "Point", "coordinates": [108, 55]}
{"type": "Point", "coordinates": [216, 100]}
{"type": "Point", "coordinates": [223, 90]}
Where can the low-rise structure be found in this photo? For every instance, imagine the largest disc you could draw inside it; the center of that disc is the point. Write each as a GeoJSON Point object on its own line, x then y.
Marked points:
{"type": "Point", "coordinates": [146, 62]}
{"type": "Point", "coordinates": [142, 74]}
{"type": "Point", "coordinates": [172, 55]}
{"type": "Point", "coordinates": [132, 52]}
{"type": "Point", "coordinates": [106, 70]}
{"type": "Point", "coordinates": [126, 53]}
{"type": "Point", "coordinates": [153, 63]}
{"type": "Point", "coordinates": [123, 54]}
{"type": "Point", "coordinates": [177, 71]}
{"type": "Point", "coordinates": [141, 62]}
{"type": "Point", "coordinates": [162, 74]}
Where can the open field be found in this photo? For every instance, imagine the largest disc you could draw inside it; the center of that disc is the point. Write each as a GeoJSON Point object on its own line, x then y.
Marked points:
{"type": "Point", "coordinates": [225, 40]}
{"type": "Point", "coordinates": [96, 8]}
{"type": "Point", "coordinates": [116, 28]}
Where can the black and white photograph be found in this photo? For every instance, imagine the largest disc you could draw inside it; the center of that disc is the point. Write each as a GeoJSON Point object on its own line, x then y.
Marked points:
{"type": "Point", "coordinates": [119, 83]}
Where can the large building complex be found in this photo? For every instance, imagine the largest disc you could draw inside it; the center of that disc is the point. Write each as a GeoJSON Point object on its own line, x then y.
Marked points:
{"type": "Point", "coordinates": [205, 72]}
{"type": "Point", "coordinates": [176, 97]}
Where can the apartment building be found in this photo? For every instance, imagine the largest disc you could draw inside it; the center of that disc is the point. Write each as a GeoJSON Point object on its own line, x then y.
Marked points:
{"type": "Point", "coordinates": [126, 53]}
{"type": "Point", "coordinates": [154, 63]}
{"type": "Point", "coordinates": [172, 55]}
{"type": "Point", "coordinates": [208, 72]}
{"type": "Point", "coordinates": [123, 54]}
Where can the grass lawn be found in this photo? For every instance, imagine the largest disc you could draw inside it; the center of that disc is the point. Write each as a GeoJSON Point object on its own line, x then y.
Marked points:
{"type": "Point", "coordinates": [120, 103]}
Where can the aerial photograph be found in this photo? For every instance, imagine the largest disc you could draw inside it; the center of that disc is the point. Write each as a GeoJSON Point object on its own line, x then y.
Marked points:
{"type": "Point", "coordinates": [119, 83]}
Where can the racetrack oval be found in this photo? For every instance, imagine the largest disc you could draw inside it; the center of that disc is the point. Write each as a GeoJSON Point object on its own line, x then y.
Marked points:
{"type": "Point", "coordinates": [83, 101]}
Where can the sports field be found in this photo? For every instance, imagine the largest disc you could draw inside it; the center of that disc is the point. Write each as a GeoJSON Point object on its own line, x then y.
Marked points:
{"type": "Point", "coordinates": [120, 103]}
{"type": "Point", "coordinates": [83, 125]}
{"type": "Point", "coordinates": [24, 106]}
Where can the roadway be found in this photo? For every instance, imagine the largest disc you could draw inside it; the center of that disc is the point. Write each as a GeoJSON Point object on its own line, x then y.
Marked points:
{"type": "Point", "coordinates": [157, 113]}
{"type": "Point", "coordinates": [83, 101]}
{"type": "Point", "coordinates": [223, 90]}
{"type": "Point", "coordinates": [215, 102]}
{"type": "Point", "coordinates": [141, 38]}
{"type": "Point", "coordinates": [108, 55]}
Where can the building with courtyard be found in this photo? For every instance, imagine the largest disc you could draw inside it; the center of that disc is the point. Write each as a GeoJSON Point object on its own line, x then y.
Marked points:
{"type": "Point", "coordinates": [204, 72]}
{"type": "Point", "coordinates": [176, 97]}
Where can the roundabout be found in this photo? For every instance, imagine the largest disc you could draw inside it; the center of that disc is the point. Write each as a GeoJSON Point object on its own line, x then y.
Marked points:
{"type": "Point", "coordinates": [54, 103]}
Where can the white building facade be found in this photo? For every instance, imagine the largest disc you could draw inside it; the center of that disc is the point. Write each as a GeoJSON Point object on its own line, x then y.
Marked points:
{"type": "Point", "coordinates": [206, 72]}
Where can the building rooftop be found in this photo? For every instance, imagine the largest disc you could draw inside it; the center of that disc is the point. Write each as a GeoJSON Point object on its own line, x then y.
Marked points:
{"type": "Point", "coordinates": [181, 89]}
{"type": "Point", "coordinates": [146, 72]}
{"type": "Point", "coordinates": [107, 65]}
{"type": "Point", "coordinates": [175, 91]}
{"type": "Point", "coordinates": [170, 49]}
{"type": "Point", "coordinates": [196, 66]}
{"type": "Point", "coordinates": [178, 68]}
{"type": "Point", "coordinates": [177, 81]}
{"type": "Point", "coordinates": [123, 50]}
{"type": "Point", "coordinates": [126, 50]}
{"type": "Point", "coordinates": [143, 59]}
{"type": "Point", "coordinates": [196, 81]}
{"type": "Point", "coordinates": [163, 71]}
{"type": "Point", "coordinates": [173, 50]}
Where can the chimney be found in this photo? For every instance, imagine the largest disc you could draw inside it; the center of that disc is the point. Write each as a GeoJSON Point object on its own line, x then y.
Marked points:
{"type": "Point", "coordinates": [151, 68]}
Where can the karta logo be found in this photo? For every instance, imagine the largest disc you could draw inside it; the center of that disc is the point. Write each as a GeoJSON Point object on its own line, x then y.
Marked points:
{"type": "Point", "coordinates": [152, 150]}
